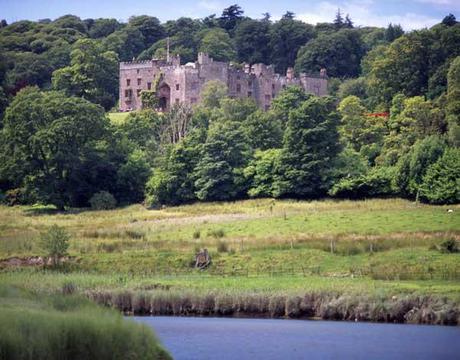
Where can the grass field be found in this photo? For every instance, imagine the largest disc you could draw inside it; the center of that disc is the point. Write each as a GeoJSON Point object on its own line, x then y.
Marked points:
{"type": "Point", "coordinates": [117, 117]}
{"type": "Point", "coordinates": [385, 247]}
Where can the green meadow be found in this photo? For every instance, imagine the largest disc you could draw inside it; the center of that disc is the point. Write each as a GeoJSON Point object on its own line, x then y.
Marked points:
{"type": "Point", "coordinates": [381, 249]}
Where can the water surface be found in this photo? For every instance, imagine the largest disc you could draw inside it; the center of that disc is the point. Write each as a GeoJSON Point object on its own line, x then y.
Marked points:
{"type": "Point", "coordinates": [229, 338]}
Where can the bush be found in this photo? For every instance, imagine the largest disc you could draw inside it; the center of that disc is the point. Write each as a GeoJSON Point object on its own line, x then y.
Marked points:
{"type": "Point", "coordinates": [222, 246]}
{"type": "Point", "coordinates": [449, 246]}
{"type": "Point", "coordinates": [378, 182]}
{"type": "Point", "coordinates": [103, 200]}
{"type": "Point", "coordinates": [55, 242]}
{"type": "Point", "coordinates": [218, 233]}
{"type": "Point", "coordinates": [196, 234]}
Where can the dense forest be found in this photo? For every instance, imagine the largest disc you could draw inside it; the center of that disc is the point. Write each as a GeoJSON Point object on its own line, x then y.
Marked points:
{"type": "Point", "coordinates": [390, 127]}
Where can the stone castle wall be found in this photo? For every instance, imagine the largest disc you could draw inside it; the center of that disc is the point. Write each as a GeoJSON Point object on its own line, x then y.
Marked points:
{"type": "Point", "coordinates": [183, 83]}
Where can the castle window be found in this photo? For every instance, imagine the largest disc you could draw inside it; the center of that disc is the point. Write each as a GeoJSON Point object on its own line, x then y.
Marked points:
{"type": "Point", "coordinates": [138, 92]}
{"type": "Point", "coordinates": [267, 97]}
{"type": "Point", "coordinates": [273, 86]}
{"type": "Point", "coordinates": [238, 88]}
{"type": "Point", "coordinates": [138, 71]}
{"type": "Point", "coordinates": [177, 86]}
{"type": "Point", "coordinates": [139, 81]}
{"type": "Point", "coordinates": [194, 85]}
{"type": "Point", "coordinates": [128, 93]}
{"type": "Point", "coordinates": [149, 86]}
{"type": "Point", "coordinates": [249, 93]}
{"type": "Point", "coordinates": [128, 82]}
{"type": "Point", "coordinates": [238, 77]}
{"type": "Point", "coordinates": [177, 101]}
{"type": "Point", "coordinates": [273, 95]}
{"type": "Point", "coordinates": [249, 83]}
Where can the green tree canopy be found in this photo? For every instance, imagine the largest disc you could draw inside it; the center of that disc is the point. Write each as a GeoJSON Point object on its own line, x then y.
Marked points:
{"type": "Point", "coordinates": [49, 142]}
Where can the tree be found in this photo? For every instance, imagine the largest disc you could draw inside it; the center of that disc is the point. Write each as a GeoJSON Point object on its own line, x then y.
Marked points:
{"type": "Point", "coordinates": [411, 119]}
{"type": "Point", "coordinates": [348, 23]}
{"type": "Point", "coordinates": [127, 43]}
{"type": "Point", "coordinates": [286, 37]}
{"type": "Point", "coordinates": [287, 100]}
{"type": "Point", "coordinates": [441, 183]}
{"type": "Point", "coordinates": [212, 93]}
{"type": "Point", "coordinates": [52, 145]}
{"type": "Point", "coordinates": [358, 131]}
{"type": "Point", "coordinates": [90, 74]}
{"type": "Point", "coordinates": [230, 17]}
{"type": "Point", "coordinates": [311, 143]}
{"type": "Point", "coordinates": [261, 173]}
{"type": "Point", "coordinates": [449, 20]}
{"type": "Point", "coordinates": [453, 102]}
{"type": "Point", "coordinates": [412, 166]}
{"type": "Point", "coordinates": [338, 21]}
{"type": "Point", "coordinates": [353, 87]}
{"type": "Point", "coordinates": [252, 41]}
{"type": "Point", "coordinates": [56, 243]}
{"type": "Point", "coordinates": [132, 176]}
{"type": "Point", "coordinates": [217, 43]}
{"type": "Point", "coordinates": [392, 32]}
{"type": "Point", "coordinates": [339, 52]}
{"type": "Point", "coordinates": [149, 27]}
{"type": "Point", "coordinates": [264, 130]}
{"type": "Point", "coordinates": [172, 181]}
{"type": "Point", "coordinates": [219, 172]}
{"type": "Point", "coordinates": [102, 28]}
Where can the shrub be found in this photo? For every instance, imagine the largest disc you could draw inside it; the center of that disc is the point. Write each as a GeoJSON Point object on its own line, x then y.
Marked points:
{"type": "Point", "coordinates": [222, 246]}
{"type": "Point", "coordinates": [218, 233]}
{"type": "Point", "coordinates": [196, 234]}
{"type": "Point", "coordinates": [103, 200]}
{"type": "Point", "coordinates": [55, 242]}
{"type": "Point", "coordinates": [449, 246]}
{"type": "Point", "coordinates": [378, 182]}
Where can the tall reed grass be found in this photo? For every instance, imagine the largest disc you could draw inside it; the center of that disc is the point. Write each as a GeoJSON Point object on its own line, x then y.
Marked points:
{"type": "Point", "coordinates": [69, 327]}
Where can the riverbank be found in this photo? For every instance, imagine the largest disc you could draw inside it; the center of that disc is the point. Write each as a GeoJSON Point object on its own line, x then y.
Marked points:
{"type": "Point", "coordinates": [293, 297]}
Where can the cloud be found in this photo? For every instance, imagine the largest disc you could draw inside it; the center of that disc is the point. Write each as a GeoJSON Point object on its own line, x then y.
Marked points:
{"type": "Point", "coordinates": [362, 14]}
{"type": "Point", "coordinates": [210, 5]}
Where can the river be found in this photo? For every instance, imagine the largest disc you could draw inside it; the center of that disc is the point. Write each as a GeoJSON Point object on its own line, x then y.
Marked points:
{"type": "Point", "coordinates": [191, 338]}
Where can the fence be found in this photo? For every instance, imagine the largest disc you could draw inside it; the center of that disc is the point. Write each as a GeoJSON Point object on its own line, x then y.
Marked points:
{"type": "Point", "coordinates": [275, 271]}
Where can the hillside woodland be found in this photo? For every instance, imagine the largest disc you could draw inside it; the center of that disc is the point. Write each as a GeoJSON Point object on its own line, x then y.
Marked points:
{"type": "Point", "coordinates": [390, 126]}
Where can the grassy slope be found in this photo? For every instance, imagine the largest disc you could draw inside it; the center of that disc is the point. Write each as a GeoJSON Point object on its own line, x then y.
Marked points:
{"type": "Point", "coordinates": [281, 245]}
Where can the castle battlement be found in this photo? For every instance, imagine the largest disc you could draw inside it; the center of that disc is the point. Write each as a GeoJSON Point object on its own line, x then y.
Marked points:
{"type": "Point", "coordinates": [183, 83]}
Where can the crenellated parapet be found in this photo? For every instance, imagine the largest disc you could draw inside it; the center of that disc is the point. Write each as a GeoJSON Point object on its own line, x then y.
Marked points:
{"type": "Point", "coordinates": [183, 83]}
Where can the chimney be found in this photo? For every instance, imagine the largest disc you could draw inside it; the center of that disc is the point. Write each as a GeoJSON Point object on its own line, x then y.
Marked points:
{"type": "Point", "coordinates": [323, 72]}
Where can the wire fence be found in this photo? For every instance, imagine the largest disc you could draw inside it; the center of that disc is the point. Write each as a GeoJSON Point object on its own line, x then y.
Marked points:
{"type": "Point", "coordinates": [447, 274]}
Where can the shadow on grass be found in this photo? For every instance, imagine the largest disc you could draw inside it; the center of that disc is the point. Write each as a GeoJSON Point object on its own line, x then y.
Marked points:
{"type": "Point", "coordinates": [51, 210]}
{"type": "Point", "coordinates": [44, 210]}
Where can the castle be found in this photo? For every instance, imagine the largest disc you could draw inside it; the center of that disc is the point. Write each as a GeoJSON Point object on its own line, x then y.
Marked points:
{"type": "Point", "coordinates": [175, 83]}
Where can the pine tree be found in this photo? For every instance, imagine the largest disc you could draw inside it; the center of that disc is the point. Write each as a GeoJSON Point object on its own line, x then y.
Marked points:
{"type": "Point", "coordinates": [338, 21]}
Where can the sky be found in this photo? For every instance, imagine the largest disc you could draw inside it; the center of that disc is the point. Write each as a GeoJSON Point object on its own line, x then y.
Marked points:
{"type": "Point", "coordinates": [411, 14]}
